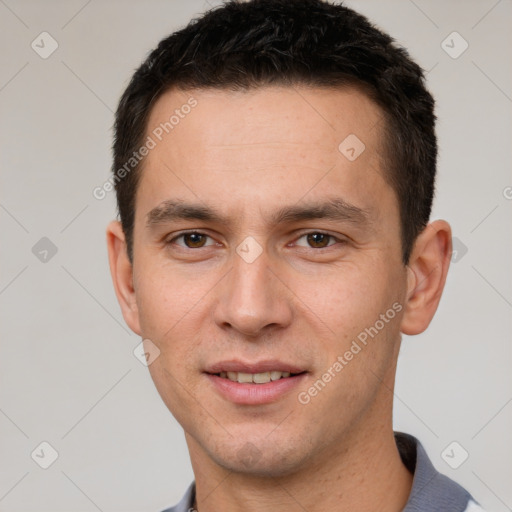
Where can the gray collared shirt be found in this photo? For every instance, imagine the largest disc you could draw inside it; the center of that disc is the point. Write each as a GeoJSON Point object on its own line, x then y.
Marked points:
{"type": "Point", "coordinates": [431, 491]}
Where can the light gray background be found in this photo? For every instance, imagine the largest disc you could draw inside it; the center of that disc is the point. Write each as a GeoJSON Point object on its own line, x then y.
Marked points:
{"type": "Point", "coordinates": [67, 372]}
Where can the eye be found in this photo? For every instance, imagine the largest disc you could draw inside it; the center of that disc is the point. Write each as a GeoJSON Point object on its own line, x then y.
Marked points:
{"type": "Point", "coordinates": [192, 240]}
{"type": "Point", "coordinates": [316, 240]}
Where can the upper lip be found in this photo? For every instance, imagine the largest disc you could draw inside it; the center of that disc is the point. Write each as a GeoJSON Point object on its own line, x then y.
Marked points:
{"type": "Point", "coordinates": [253, 367]}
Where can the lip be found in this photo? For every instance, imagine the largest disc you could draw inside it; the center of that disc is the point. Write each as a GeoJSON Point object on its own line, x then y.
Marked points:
{"type": "Point", "coordinates": [248, 367]}
{"type": "Point", "coordinates": [254, 394]}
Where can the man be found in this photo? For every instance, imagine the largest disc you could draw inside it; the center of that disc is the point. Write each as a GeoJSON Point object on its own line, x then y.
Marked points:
{"type": "Point", "coordinates": [274, 164]}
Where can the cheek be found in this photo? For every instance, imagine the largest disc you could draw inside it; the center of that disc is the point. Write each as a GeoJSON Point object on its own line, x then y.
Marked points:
{"type": "Point", "coordinates": [170, 316]}
{"type": "Point", "coordinates": [174, 313]}
{"type": "Point", "coordinates": [345, 300]}
{"type": "Point", "coordinates": [351, 304]}
{"type": "Point", "coordinates": [164, 299]}
{"type": "Point", "coordinates": [359, 353]}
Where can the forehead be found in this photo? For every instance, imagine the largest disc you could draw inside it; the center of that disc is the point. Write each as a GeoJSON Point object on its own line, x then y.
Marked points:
{"type": "Point", "coordinates": [317, 116]}
{"type": "Point", "coordinates": [262, 143]}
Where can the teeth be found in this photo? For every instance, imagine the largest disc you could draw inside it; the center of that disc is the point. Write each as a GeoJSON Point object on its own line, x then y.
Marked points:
{"type": "Point", "coordinates": [256, 378]}
{"type": "Point", "coordinates": [244, 377]}
{"type": "Point", "coordinates": [261, 378]}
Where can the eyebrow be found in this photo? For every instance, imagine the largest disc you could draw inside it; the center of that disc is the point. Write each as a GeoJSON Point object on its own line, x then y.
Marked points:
{"type": "Point", "coordinates": [170, 210]}
{"type": "Point", "coordinates": [332, 209]}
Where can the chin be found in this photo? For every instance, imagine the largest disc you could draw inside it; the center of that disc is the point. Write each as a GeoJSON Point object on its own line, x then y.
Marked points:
{"type": "Point", "coordinates": [260, 458]}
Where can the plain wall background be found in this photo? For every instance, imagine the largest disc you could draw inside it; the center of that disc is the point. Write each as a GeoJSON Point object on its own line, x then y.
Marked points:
{"type": "Point", "coordinates": [67, 372]}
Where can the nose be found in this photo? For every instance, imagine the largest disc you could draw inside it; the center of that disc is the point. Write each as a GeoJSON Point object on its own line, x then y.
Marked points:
{"type": "Point", "coordinates": [252, 300]}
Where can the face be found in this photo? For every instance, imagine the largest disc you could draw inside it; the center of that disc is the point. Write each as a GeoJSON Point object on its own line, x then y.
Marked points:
{"type": "Point", "coordinates": [265, 249]}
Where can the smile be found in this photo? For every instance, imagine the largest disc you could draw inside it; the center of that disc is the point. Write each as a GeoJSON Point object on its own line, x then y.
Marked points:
{"type": "Point", "coordinates": [255, 378]}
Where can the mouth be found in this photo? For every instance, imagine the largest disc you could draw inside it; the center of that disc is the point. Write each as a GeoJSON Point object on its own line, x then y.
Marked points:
{"type": "Point", "coordinates": [256, 378]}
{"type": "Point", "coordinates": [255, 383]}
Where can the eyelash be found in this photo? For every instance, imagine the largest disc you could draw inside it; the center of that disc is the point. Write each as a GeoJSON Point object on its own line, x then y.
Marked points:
{"type": "Point", "coordinates": [331, 238]}
{"type": "Point", "coordinates": [184, 233]}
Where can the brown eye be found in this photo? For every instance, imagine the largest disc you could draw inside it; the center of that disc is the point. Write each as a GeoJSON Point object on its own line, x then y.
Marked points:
{"type": "Point", "coordinates": [194, 240]}
{"type": "Point", "coordinates": [318, 240]}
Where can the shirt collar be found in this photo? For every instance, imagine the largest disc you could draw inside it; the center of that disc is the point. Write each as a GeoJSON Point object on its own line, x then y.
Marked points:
{"type": "Point", "coordinates": [431, 491]}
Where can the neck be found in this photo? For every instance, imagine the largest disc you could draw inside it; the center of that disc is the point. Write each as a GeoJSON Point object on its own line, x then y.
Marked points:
{"type": "Point", "coordinates": [364, 473]}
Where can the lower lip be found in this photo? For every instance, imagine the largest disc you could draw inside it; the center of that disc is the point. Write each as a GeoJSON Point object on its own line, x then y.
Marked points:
{"type": "Point", "coordinates": [255, 394]}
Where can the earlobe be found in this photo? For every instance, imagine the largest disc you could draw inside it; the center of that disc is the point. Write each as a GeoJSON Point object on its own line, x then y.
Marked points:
{"type": "Point", "coordinates": [427, 270]}
{"type": "Point", "coordinates": [121, 271]}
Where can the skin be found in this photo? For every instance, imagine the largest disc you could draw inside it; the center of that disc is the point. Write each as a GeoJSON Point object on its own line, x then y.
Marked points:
{"type": "Point", "coordinates": [246, 155]}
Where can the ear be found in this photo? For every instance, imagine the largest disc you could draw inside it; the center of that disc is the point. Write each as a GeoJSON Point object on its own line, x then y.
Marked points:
{"type": "Point", "coordinates": [427, 270]}
{"type": "Point", "coordinates": [122, 275]}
